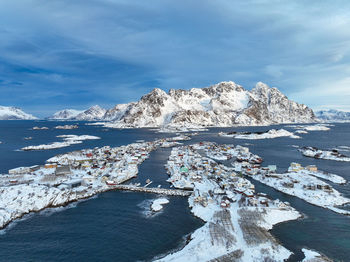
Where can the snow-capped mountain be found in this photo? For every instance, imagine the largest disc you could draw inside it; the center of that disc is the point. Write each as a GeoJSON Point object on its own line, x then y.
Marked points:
{"type": "Point", "coordinates": [333, 115]}
{"type": "Point", "coordinates": [91, 114]}
{"type": "Point", "coordinates": [14, 113]}
{"type": "Point", "coordinates": [66, 114]}
{"type": "Point", "coordinates": [223, 104]}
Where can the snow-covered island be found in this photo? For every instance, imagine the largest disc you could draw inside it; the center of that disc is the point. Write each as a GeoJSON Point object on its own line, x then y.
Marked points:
{"type": "Point", "coordinates": [157, 204]}
{"type": "Point", "coordinates": [304, 128]}
{"type": "Point", "coordinates": [40, 128]}
{"type": "Point", "coordinates": [67, 127]}
{"type": "Point", "coordinates": [273, 133]}
{"type": "Point", "coordinates": [333, 154]}
{"type": "Point", "coordinates": [69, 177]}
{"type": "Point", "coordinates": [68, 140]}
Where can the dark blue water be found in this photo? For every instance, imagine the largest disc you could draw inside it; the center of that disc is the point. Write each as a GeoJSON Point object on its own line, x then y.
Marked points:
{"type": "Point", "coordinates": [114, 226]}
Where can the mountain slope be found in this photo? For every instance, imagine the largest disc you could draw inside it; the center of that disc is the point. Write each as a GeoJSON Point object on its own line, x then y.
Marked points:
{"type": "Point", "coordinates": [14, 113]}
{"type": "Point", "coordinates": [223, 104]}
{"type": "Point", "coordinates": [91, 114]}
{"type": "Point", "coordinates": [333, 115]}
{"type": "Point", "coordinates": [66, 114]}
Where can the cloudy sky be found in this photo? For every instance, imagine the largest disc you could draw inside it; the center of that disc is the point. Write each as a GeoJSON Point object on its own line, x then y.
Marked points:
{"type": "Point", "coordinates": [74, 54]}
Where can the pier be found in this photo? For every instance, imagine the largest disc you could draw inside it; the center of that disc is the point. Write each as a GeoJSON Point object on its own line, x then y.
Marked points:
{"type": "Point", "coordinates": [162, 191]}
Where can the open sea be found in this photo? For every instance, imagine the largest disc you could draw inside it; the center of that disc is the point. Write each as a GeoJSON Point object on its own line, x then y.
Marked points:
{"type": "Point", "coordinates": [117, 226]}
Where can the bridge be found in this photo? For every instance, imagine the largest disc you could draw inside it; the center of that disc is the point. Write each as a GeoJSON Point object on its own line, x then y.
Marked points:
{"type": "Point", "coordinates": [162, 191]}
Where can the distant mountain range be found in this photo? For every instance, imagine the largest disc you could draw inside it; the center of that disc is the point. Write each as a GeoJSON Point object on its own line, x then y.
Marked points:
{"type": "Point", "coordinates": [333, 115]}
{"type": "Point", "coordinates": [14, 113]}
{"type": "Point", "coordinates": [223, 104]}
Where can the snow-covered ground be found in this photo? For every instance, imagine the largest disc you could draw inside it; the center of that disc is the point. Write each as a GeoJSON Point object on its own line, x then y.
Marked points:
{"type": "Point", "coordinates": [68, 140]}
{"type": "Point", "coordinates": [273, 133]}
{"type": "Point", "coordinates": [324, 154]}
{"type": "Point", "coordinates": [324, 175]}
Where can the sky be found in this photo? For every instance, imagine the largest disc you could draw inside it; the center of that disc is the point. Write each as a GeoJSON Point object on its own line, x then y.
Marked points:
{"type": "Point", "coordinates": [61, 54]}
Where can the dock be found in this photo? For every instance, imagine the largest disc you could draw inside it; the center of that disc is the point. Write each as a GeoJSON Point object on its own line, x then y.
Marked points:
{"type": "Point", "coordinates": [162, 191]}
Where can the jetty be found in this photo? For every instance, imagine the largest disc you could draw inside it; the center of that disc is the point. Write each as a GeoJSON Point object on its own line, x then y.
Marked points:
{"type": "Point", "coordinates": [162, 191]}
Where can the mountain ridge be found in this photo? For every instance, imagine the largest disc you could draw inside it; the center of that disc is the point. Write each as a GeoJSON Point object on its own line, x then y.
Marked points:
{"type": "Point", "coordinates": [333, 115]}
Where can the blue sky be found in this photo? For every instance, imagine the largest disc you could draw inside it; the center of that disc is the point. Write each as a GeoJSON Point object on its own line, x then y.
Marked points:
{"type": "Point", "coordinates": [75, 54]}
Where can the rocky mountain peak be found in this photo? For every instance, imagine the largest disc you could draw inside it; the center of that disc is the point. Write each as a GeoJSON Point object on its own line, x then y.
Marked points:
{"type": "Point", "coordinates": [223, 87]}
{"type": "Point", "coordinates": [156, 97]}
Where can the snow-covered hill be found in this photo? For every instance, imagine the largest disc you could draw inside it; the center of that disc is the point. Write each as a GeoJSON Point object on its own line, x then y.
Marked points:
{"type": "Point", "coordinates": [14, 113]}
{"type": "Point", "coordinates": [223, 104]}
{"type": "Point", "coordinates": [333, 115]}
{"type": "Point", "coordinates": [65, 114]}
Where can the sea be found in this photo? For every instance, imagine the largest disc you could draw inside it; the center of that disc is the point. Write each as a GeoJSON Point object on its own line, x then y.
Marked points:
{"type": "Point", "coordinates": [118, 226]}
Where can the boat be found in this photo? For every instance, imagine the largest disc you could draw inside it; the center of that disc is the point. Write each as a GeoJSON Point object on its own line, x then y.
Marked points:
{"type": "Point", "coordinates": [111, 183]}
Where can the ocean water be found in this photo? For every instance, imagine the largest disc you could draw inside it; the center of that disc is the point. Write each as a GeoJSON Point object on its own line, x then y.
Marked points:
{"type": "Point", "coordinates": [117, 226]}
